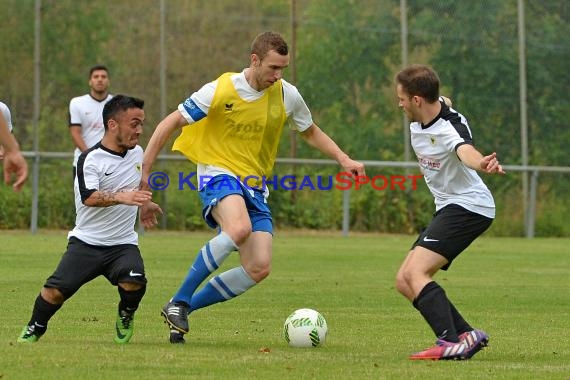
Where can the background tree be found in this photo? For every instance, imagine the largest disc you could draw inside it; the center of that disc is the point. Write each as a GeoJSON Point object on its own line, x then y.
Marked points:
{"type": "Point", "coordinates": [347, 54]}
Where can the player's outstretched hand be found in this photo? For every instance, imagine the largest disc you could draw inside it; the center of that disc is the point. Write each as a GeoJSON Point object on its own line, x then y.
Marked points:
{"type": "Point", "coordinates": [148, 213]}
{"type": "Point", "coordinates": [15, 165]}
{"type": "Point", "coordinates": [353, 167]}
{"type": "Point", "coordinates": [490, 164]}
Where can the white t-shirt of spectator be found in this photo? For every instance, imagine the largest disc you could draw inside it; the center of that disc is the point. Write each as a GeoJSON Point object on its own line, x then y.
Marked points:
{"type": "Point", "coordinates": [87, 112]}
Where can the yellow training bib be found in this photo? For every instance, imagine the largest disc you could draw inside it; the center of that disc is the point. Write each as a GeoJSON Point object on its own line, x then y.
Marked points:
{"type": "Point", "coordinates": [237, 135]}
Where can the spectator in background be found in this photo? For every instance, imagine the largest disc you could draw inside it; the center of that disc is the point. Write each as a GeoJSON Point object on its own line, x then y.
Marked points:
{"type": "Point", "coordinates": [85, 112]}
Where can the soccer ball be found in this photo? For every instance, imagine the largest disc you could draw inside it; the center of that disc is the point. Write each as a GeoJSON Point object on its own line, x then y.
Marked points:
{"type": "Point", "coordinates": [305, 328]}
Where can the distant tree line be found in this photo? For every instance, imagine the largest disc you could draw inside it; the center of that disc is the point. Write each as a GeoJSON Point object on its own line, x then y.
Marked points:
{"type": "Point", "coordinates": [346, 54]}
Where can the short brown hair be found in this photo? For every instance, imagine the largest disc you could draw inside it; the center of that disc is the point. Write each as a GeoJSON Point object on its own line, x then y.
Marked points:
{"type": "Point", "coordinates": [96, 68]}
{"type": "Point", "coordinates": [119, 103]}
{"type": "Point", "coordinates": [419, 80]}
{"type": "Point", "coordinates": [267, 41]}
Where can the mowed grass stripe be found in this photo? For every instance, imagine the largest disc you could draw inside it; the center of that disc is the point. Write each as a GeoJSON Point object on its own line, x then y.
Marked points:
{"type": "Point", "coordinates": [518, 290]}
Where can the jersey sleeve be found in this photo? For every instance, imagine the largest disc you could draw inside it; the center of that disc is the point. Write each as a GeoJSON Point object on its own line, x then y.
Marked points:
{"type": "Point", "coordinates": [298, 113]}
{"type": "Point", "coordinates": [451, 140]}
{"type": "Point", "coordinates": [459, 132]}
{"type": "Point", "coordinates": [464, 135]}
{"type": "Point", "coordinates": [87, 176]}
{"type": "Point", "coordinates": [196, 107]}
{"type": "Point", "coordinates": [74, 113]}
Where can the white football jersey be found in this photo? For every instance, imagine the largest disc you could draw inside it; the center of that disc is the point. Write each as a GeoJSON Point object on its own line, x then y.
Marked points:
{"type": "Point", "coordinates": [449, 180]}
{"type": "Point", "coordinates": [7, 115]}
{"type": "Point", "coordinates": [102, 169]}
{"type": "Point", "coordinates": [88, 113]}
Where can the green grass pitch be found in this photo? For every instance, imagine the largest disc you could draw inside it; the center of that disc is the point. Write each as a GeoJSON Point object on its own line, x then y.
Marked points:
{"type": "Point", "coordinates": [518, 290]}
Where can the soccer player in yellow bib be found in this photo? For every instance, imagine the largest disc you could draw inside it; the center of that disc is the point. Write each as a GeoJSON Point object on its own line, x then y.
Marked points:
{"type": "Point", "coordinates": [231, 129]}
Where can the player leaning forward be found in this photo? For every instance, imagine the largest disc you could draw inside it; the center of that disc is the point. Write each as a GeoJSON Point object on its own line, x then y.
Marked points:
{"type": "Point", "coordinates": [236, 122]}
{"type": "Point", "coordinates": [442, 141]}
{"type": "Point", "coordinates": [104, 241]}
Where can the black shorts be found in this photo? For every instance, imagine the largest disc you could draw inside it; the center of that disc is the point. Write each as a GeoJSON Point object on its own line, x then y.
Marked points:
{"type": "Point", "coordinates": [82, 263]}
{"type": "Point", "coordinates": [451, 230]}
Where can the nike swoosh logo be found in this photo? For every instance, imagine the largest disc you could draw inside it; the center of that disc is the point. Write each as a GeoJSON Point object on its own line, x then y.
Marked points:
{"type": "Point", "coordinates": [134, 274]}
{"type": "Point", "coordinates": [428, 239]}
{"type": "Point", "coordinates": [108, 173]}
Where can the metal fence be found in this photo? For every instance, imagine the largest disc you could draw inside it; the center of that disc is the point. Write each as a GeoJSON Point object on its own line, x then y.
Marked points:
{"type": "Point", "coordinates": [533, 171]}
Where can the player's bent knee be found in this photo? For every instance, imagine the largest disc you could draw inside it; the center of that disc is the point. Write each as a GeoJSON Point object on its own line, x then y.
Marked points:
{"type": "Point", "coordinates": [401, 285]}
{"type": "Point", "coordinates": [130, 286]}
{"type": "Point", "coordinates": [239, 234]}
{"type": "Point", "coordinates": [53, 296]}
{"type": "Point", "coordinates": [403, 279]}
{"type": "Point", "coordinates": [259, 274]}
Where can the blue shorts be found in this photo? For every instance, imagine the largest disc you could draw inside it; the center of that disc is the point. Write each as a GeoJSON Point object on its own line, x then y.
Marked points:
{"type": "Point", "coordinates": [223, 185]}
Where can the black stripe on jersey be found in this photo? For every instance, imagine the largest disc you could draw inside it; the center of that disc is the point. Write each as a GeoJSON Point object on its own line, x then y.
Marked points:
{"type": "Point", "coordinates": [83, 190]}
{"type": "Point", "coordinates": [457, 121]}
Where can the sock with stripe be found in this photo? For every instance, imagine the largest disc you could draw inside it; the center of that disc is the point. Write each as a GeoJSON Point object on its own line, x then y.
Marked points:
{"type": "Point", "coordinates": [224, 287]}
{"type": "Point", "coordinates": [209, 258]}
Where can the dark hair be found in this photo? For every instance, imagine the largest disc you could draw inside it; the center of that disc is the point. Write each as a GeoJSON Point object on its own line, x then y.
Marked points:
{"type": "Point", "coordinates": [419, 80]}
{"type": "Point", "coordinates": [267, 41]}
{"type": "Point", "coordinates": [119, 103]}
{"type": "Point", "coordinates": [98, 67]}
